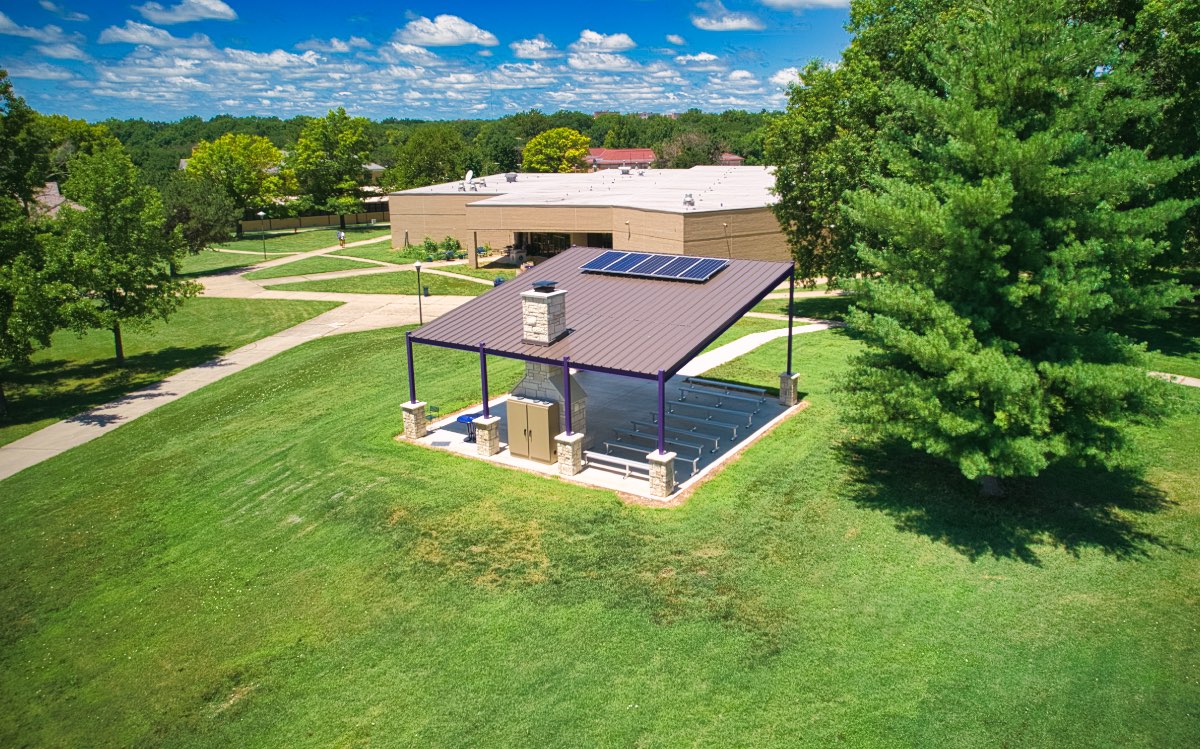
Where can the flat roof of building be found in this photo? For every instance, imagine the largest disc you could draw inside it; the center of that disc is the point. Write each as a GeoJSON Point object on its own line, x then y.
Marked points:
{"type": "Point", "coordinates": [618, 324]}
{"type": "Point", "coordinates": [713, 188]}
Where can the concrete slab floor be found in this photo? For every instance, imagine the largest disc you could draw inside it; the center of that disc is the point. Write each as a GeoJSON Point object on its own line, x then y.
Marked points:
{"type": "Point", "coordinates": [614, 402]}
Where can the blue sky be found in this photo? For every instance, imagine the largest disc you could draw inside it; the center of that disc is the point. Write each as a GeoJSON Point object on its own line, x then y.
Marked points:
{"type": "Point", "coordinates": [428, 60]}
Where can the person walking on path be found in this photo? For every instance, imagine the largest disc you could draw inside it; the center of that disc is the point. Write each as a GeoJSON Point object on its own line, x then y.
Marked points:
{"type": "Point", "coordinates": [342, 238]}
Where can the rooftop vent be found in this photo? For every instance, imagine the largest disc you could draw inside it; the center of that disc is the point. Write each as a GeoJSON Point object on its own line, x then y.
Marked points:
{"type": "Point", "coordinates": [510, 176]}
{"type": "Point", "coordinates": [544, 287]}
{"type": "Point", "coordinates": [688, 199]}
{"type": "Point", "coordinates": [624, 169]}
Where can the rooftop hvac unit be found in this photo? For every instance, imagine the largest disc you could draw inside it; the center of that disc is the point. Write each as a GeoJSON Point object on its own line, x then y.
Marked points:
{"type": "Point", "coordinates": [688, 199]}
{"type": "Point", "coordinates": [624, 169]}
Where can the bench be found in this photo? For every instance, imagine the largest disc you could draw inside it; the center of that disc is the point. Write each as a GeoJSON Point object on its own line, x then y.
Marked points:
{"type": "Point", "coordinates": [635, 435]}
{"type": "Point", "coordinates": [695, 462]}
{"type": "Point", "coordinates": [728, 387]}
{"type": "Point", "coordinates": [627, 467]}
{"type": "Point", "coordinates": [653, 427]}
{"type": "Point", "coordinates": [721, 397]}
{"type": "Point", "coordinates": [713, 410]}
{"type": "Point", "coordinates": [701, 422]}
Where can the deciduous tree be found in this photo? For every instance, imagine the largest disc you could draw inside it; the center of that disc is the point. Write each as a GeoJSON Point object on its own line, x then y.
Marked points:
{"type": "Point", "coordinates": [201, 210]}
{"type": "Point", "coordinates": [245, 166]}
{"type": "Point", "coordinates": [328, 161]}
{"type": "Point", "coordinates": [116, 252]}
{"type": "Point", "coordinates": [686, 150]}
{"type": "Point", "coordinates": [560, 149]}
{"type": "Point", "coordinates": [432, 154]}
{"type": "Point", "coordinates": [1013, 230]}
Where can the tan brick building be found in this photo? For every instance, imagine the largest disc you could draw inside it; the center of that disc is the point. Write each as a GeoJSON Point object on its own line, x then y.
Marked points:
{"type": "Point", "coordinates": [717, 211]}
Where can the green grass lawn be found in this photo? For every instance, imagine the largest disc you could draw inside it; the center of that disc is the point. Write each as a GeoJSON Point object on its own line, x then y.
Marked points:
{"type": "Point", "coordinates": [75, 374]}
{"type": "Point", "coordinates": [207, 262]}
{"type": "Point", "coordinates": [398, 282]}
{"type": "Point", "coordinates": [382, 251]}
{"type": "Point", "coordinates": [261, 564]}
{"type": "Point", "coordinates": [508, 273]}
{"type": "Point", "coordinates": [743, 327]}
{"type": "Point", "coordinates": [820, 307]}
{"type": "Point", "coordinates": [305, 239]}
{"type": "Point", "coordinates": [1173, 343]}
{"type": "Point", "coordinates": [306, 266]}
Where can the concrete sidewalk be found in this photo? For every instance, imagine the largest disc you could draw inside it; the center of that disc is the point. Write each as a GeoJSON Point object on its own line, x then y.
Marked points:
{"type": "Point", "coordinates": [356, 315]}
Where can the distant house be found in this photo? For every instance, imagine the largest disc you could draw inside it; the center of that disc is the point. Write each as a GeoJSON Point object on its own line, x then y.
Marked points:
{"type": "Point", "coordinates": [374, 172]}
{"type": "Point", "coordinates": [48, 201]}
{"type": "Point", "coordinates": [640, 158]}
{"type": "Point", "coordinates": [615, 158]}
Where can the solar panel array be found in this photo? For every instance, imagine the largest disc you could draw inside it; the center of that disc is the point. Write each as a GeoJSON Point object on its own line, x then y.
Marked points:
{"type": "Point", "coordinates": [649, 265]}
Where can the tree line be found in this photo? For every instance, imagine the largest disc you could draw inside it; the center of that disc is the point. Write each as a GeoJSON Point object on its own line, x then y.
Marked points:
{"type": "Point", "coordinates": [1006, 185]}
{"type": "Point", "coordinates": [444, 150]}
{"type": "Point", "coordinates": [103, 262]}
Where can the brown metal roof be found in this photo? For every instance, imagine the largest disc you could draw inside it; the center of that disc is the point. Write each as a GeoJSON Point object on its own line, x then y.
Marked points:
{"type": "Point", "coordinates": [632, 326]}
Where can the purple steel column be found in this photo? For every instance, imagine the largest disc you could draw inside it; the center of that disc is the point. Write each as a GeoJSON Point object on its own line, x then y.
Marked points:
{"type": "Point", "coordinates": [662, 412]}
{"type": "Point", "coordinates": [483, 378]}
{"type": "Point", "coordinates": [567, 390]}
{"type": "Point", "coordinates": [412, 382]}
{"type": "Point", "coordinates": [791, 313]}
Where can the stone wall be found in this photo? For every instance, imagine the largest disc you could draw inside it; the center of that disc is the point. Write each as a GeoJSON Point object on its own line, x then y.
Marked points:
{"type": "Point", "coordinates": [543, 382]}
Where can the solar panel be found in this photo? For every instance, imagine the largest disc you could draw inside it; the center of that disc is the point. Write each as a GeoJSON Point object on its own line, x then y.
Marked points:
{"type": "Point", "coordinates": [702, 270]}
{"type": "Point", "coordinates": [603, 260]}
{"type": "Point", "coordinates": [651, 265]}
{"type": "Point", "coordinates": [678, 265]}
{"type": "Point", "coordinates": [627, 262]}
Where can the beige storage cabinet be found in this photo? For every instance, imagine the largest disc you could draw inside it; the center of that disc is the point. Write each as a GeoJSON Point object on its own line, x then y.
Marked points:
{"type": "Point", "coordinates": [531, 429]}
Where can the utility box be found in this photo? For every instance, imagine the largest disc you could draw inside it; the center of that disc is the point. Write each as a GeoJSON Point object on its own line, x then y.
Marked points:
{"type": "Point", "coordinates": [532, 426]}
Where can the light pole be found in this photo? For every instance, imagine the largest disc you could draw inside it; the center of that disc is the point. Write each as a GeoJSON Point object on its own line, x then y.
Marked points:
{"type": "Point", "coordinates": [262, 231]}
{"type": "Point", "coordinates": [420, 314]}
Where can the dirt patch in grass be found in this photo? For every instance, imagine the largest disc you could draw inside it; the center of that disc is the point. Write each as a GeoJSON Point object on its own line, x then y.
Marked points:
{"type": "Point", "coordinates": [487, 547]}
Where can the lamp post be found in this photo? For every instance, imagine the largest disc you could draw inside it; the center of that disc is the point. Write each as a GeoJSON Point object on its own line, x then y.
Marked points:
{"type": "Point", "coordinates": [262, 232]}
{"type": "Point", "coordinates": [420, 314]}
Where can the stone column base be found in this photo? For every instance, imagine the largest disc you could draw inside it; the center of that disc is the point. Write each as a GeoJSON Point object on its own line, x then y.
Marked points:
{"type": "Point", "coordinates": [570, 453]}
{"type": "Point", "coordinates": [662, 473]}
{"type": "Point", "coordinates": [415, 425]}
{"type": "Point", "coordinates": [487, 435]}
{"type": "Point", "coordinates": [789, 388]}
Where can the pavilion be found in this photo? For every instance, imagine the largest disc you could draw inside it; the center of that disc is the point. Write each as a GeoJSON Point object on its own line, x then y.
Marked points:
{"type": "Point", "coordinates": [636, 315]}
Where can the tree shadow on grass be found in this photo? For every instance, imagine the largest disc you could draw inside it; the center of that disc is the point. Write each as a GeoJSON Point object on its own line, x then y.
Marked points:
{"type": "Point", "coordinates": [1075, 509]}
{"type": "Point", "coordinates": [60, 389]}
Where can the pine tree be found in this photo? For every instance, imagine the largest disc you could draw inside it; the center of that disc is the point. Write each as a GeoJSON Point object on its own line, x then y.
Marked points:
{"type": "Point", "coordinates": [1013, 231]}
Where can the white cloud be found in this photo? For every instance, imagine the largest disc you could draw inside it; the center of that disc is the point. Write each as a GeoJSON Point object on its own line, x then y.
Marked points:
{"type": "Point", "coordinates": [786, 76]}
{"type": "Point", "coordinates": [62, 51]}
{"type": "Point", "coordinates": [705, 61]}
{"type": "Point", "coordinates": [48, 33]}
{"type": "Point", "coordinates": [444, 31]}
{"type": "Point", "coordinates": [600, 61]}
{"type": "Point", "coordinates": [187, 10]}
{"type": "Point", "coordinates": [717, 17]}
{"type": "Point", "coordinates": [61, 12]}
{"type": "Point", "coordinates": [411, 53]}
{"type": "Point", "coordinates": [40, 71]}
{"type": "Point", "coordinates": [676, 39]}
{"type": "Point", "coordinates": [592, 41]}
{"type": "Point", "coordinates": [139, 33]}
{"type": "Point", "coordinates": [537, 48]}
{"type": "Point", "coordinates": [802, 4]}
{"type": "Point", "coordinates": [334, 45]}
{"type": "Point", "coordinates": [741, 76]}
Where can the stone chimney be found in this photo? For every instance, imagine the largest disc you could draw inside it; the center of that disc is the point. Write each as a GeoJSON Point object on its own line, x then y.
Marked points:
{"type": "Point", "coordinates": [543, 313]}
